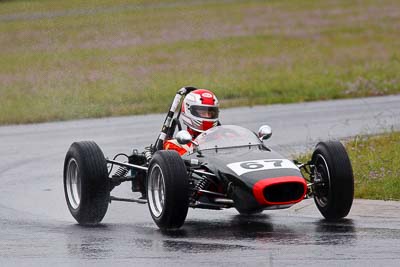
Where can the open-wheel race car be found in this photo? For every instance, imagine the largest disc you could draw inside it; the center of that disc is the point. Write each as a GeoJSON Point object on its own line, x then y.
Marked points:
{"type": "Point", "coordinates": [228, 167]}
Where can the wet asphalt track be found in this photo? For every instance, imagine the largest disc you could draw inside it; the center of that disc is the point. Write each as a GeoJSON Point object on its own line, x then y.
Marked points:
{"type": "Point", "coordinates": [37, 229]}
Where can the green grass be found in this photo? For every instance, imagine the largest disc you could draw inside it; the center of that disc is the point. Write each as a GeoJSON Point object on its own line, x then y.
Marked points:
{"type": "Point", "coordinates": [376, 165]}
{"type": "Point", "coordinates": [75, 59]}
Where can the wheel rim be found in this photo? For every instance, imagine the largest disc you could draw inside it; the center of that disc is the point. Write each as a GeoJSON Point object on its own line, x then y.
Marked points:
{"type": "Point", "coordinates": [73, 184]}
{"type": "Point", "coordinates": [156, 191]}
{"type": "Point", "coordinates": [322, 172]}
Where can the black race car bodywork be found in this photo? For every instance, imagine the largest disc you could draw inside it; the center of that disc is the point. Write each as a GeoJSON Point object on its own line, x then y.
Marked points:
{"type": "Point", "coordinates": [251, 175]}
{"type": "Point", "coordinates": [229, 167]}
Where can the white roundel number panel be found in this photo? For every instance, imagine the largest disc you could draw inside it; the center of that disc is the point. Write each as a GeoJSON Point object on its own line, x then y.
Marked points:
{"type": "Point", "coordinates": [206, 95]}
{"type": "Point", "coordinates": [259, 165]}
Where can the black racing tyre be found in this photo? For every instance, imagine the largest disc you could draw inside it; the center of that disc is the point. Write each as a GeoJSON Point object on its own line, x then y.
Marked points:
{"type": "Point", "coordinates": [167, 189]}
{"type": "Point", "coordinates": [249, 212]}
{"type": "Point", "coordinates": [86, 184]}
{"type": "Point", "coordinates": [333, 187]}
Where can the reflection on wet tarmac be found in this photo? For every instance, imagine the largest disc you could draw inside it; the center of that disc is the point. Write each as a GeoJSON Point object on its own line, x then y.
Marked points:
{"type": "Point", "coordinates": [92, 244]}
{"type": "Point", "coordinates": [335, 233]}
{"type": "Point", "coordinates": [235, 233]}
{"type": "Point", "coordinates": [198, 247]}
{"type": "Point", "coordinates": [239, 227]}
{"type": "Point", "coordinates": [219, 237]}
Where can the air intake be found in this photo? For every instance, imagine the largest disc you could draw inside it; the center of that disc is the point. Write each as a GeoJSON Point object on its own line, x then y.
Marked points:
{"type": "Point", "coordinates": [280, 190]}
{"type": "Point", "coordinates": [284, 192]}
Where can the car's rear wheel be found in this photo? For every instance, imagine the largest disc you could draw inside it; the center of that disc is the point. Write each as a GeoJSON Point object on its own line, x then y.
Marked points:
{"type": "Point", "coordinates": [167, 190]}
{"type": "Point", "coordinates": [86, 185]}
{"type": "Point", "coordinates": [333, 187]}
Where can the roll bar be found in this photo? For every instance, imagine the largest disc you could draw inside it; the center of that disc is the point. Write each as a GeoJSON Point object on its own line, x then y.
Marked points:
{"type": "Point", "coordinates": [168, 122]}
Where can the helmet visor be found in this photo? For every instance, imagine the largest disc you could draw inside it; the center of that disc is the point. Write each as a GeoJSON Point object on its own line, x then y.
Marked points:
{"type": "Point", "coordinates": [205, 112]}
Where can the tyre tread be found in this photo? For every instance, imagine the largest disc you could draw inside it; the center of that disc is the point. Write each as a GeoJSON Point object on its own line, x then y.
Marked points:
{"type": "Point", "coordinates": [176, 187]}
{"type": "Point", "coordinates": [342, 180]}
{"type": "Point", "coordinates": [94, 179]}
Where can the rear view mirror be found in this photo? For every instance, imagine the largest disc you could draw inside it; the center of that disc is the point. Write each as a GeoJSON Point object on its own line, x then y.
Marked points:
{"type": "Point", "coordinates": [265, 132]}
{"type": "Point", "coordinates": [183, 137]}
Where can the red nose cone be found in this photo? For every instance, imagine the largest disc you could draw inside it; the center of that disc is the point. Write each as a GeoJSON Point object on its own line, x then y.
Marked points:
{"type": "Point", "coordinates": [280, 190]}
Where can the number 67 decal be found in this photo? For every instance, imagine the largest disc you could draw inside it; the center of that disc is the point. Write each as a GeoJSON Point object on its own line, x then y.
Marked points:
{"type": "Point", "coordinates": [258, 165]}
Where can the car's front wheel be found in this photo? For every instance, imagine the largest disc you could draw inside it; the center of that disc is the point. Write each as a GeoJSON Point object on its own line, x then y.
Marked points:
{"type": "Point", "coordinates": [86, 185]}
{"type": "Point", "coordinates": [167, 189]}
{"type": "Point", "coordinates": [333, 182]}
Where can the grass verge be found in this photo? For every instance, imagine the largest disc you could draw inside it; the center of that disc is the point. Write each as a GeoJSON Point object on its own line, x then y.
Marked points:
{"type": "Point", "coordinates": [63, 60]}
{"type": "Point", "coordinates": [376, 164]}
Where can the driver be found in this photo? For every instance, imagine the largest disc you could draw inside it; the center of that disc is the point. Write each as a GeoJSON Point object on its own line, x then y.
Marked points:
{"type": "Point", "coordinates": [199, 113]}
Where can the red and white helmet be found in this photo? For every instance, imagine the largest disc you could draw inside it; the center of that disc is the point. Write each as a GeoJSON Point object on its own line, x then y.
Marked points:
{"type": "Point", "coordinates": [200, 110]}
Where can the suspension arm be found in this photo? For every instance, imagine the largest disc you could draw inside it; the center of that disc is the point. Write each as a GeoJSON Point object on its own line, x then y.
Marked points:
{"type": "Point", "coordinates": [132, 166]}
